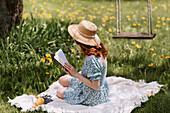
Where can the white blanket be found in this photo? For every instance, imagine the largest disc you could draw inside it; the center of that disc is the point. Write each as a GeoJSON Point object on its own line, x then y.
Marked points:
{"type": "Point", "coordinates": [125, 95]}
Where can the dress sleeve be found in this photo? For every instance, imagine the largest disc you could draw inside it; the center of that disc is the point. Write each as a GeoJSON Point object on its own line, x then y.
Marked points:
{"type": "Point", "coordinates": [93, 68]}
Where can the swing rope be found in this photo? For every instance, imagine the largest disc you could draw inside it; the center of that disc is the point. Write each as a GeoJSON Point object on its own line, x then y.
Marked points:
{"type": "Point", "coordinates": [118, 17]}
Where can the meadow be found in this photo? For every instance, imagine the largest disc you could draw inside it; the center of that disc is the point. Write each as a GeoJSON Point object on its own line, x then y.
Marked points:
{"type": "Point", "coordinates": [26, 55]}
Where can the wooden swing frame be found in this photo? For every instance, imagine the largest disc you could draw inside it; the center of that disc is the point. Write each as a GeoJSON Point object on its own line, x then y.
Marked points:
{"type": "Point", "coordinates": [133, 35]}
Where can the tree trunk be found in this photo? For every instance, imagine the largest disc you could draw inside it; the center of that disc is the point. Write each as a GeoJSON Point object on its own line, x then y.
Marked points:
{"type": "Point", "coordinates": [10, 13]}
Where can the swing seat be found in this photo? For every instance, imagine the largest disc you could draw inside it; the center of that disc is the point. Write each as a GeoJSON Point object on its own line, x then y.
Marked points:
{"type": "Point", "coordinates": [133, 35]}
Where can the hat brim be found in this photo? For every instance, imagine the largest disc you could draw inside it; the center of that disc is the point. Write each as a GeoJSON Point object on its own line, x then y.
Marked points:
{"type": "Point", "coordinates": [72, 29]}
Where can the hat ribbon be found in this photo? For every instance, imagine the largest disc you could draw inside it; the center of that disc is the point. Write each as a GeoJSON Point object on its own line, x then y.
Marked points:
{"type": "Point", "coordinates": [96, 38]}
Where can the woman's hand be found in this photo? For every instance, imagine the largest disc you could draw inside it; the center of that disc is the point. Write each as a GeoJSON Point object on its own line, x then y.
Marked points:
{"type": "Point", "coordinates": [66, 71]}
{"type": "Point", "coordinates": [71, 69]}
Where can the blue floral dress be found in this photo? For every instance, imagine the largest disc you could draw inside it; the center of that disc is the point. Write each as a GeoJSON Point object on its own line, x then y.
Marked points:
{"type": "Point", "coordinates": [79, 93]}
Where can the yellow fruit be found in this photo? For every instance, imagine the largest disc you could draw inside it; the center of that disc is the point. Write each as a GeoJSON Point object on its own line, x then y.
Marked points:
{"type": "Point", "coordinates": [40, 101]}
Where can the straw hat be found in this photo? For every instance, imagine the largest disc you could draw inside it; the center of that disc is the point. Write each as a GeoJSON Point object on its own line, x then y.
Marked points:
{"type": "Point", "coordinates": [85, 33]}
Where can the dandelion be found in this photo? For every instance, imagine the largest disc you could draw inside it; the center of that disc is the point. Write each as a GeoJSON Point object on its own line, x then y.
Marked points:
{"type": "Point", "coordinates": [58, 10]}
{"type": "Point", "coordinates": [154, 54]}
{"type": "Point", "coordinates": [132, 42]}
{"type": "Point", "coordinates": [138, 24]}
{"type": "Point", "coordinates": [156, 7]}
{"type": "Point", "coordinates": [72, 50]}
{"type": "Point", "coordinates": [33, 6]}
{"type": "Point", "coordinates": [42, 59]}
{"type": "Point", "coordinates": [112, 5]}
{"type": "Point", "coordinates": [168, 19]}
{"type": "Point", "coordinates": [155, 30]}
{"type": "Point", "coordinates": [110, 30]}
{"type": "Point", "coordinates": [62, 20]}
{"type": "Point", "coordinates": [134, 24]}
{"type": "Point", "coordinates": [95, 9]}
{"type": "Point", "coordinates": [51, 61]}
{"type": "Point", "coordinates": [144, 22]}
{"type": "Point", "coordinates": [59, 15]}
{"type": "Point", "coordinates": [147, 95]}
{"type": "Point", "coordinates": [163, 18]}
{"type": "Point", "coordinates": [103, 25]}
{"type": "Point", "coordinates": [143, 18]}
{"type": "Point", "coordinates": [31, 53]}
{"type": "Point", "coordinates": [48, 15]}
{"type": "Point", "coordinates": [134, 16]}
{"type": "Point", "coordinates": [150, 65]}
{"type": "Point", "coordinates": [158, 18]}
{"type": "Point", "coordinates": [45, 3]}
{"type": "Point", "coordinates": [161, 56]}
{"type": "Point", "coordinates": [138, 46]}
{"type": "Point", "coordinates": [164, 24]}
{"type": "Point", "coordinates": [158, 25]}
{"type": "Point", "coordinates": [102, 7]}
{"type": "Point", "coordinates": [158, 21]}
{"type": "Point", "coordinates": [47, 73]}
{"type": "Point", "coordinates": [151, 49]}
{"type": "Point", "coordinates": [167, 56]}
{"type": "Point", "coordinates": [33, 1]}
{"type": "Point", "coordinates": [127, 16]}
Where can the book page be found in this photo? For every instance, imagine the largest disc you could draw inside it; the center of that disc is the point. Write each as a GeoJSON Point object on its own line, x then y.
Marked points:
{"type": "Point", "coordinates": [60, 57]}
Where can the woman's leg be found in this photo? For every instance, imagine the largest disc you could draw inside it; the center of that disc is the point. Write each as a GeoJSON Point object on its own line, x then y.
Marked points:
{"type": "Point", "coordinates": [60, 92]}
{"type": "Point", "coordinates": [64, 80]}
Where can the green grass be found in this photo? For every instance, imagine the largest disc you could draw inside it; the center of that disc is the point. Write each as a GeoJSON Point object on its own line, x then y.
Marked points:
{"type": "Point", "coordinates": [45, 31]}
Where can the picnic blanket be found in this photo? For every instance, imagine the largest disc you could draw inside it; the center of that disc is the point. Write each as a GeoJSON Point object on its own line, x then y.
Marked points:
{"type": "Point", "coordinates": [125, 95]}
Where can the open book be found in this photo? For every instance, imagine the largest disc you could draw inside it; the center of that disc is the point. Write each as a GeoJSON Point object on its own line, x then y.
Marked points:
{"type": "Point", "coordinates": [60, 57]}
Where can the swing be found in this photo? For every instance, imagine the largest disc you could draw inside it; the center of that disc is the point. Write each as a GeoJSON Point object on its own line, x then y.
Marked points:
{"type": "Point", "coordinates": [133, 35]}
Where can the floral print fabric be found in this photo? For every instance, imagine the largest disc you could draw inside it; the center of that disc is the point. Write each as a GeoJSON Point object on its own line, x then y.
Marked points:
{"type": "Point", "coordinates": [79, 93]}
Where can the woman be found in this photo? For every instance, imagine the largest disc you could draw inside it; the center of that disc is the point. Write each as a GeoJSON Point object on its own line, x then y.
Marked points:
{"type": "Point", "coordinates": [90, 87]}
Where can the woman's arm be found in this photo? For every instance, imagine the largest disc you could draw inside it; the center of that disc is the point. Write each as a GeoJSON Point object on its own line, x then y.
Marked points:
{"type": "Point", "coordinates": [94, 84]}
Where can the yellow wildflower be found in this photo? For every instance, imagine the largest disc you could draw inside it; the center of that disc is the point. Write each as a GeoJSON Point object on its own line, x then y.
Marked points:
{"type": "Point", "coordinates": [103, 25]}
{"type": "Point", "coordinates": [134, 24]}
{"type": "Point", "coordinates": [154, 54]}
{"type": "Point", "coordinates": [110, 30]}
{"type": "Point", "coordinates": [167, 56]}
{"type": "Point", "coordinates": [144, 22]}
{"type": "Point", "coordinates": [155, 30]}
{"type": "Point", "coordinates": [132, 42]}
{"type": "Point", "coordinates": [58, 10]}
{"type": "Point", "coordinates": [47, 73]}
{"type": "Point", "coordinates": [158, 25]}
{"type": "Point", "coordinates": [48, 55]}
{"type": "Point", "coordinates": [31, 53]}
{"type": "Point", "coordinates": [164, 24]}
{"type": "Point", "coordinates": [163, 18]}
{"type": "Point", "coordinates": [42, 59]}
{"type": "Point", "coordinates": [143, 18]}
{"type": "Point", "coordinates": [138, 46]}
{"type": "Point", "coordinates": [156, 7]}
{"type": "Point", "coordinates": [161, 56]}
{"type": "Point", "coordinates": [158, 18]}
{"type": "Point", "coordinates": [68, 40]}
{"type": "Point", "coordinates": [72, 50]}
{"type": "Point", "coordinates": [150, 65]}
{"type": "Point", "coordinates": [151, 49]}
{"type": "Point", "coordinates": [138, 24]}
{"type": "Point", "coordinates": [51, 61]}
